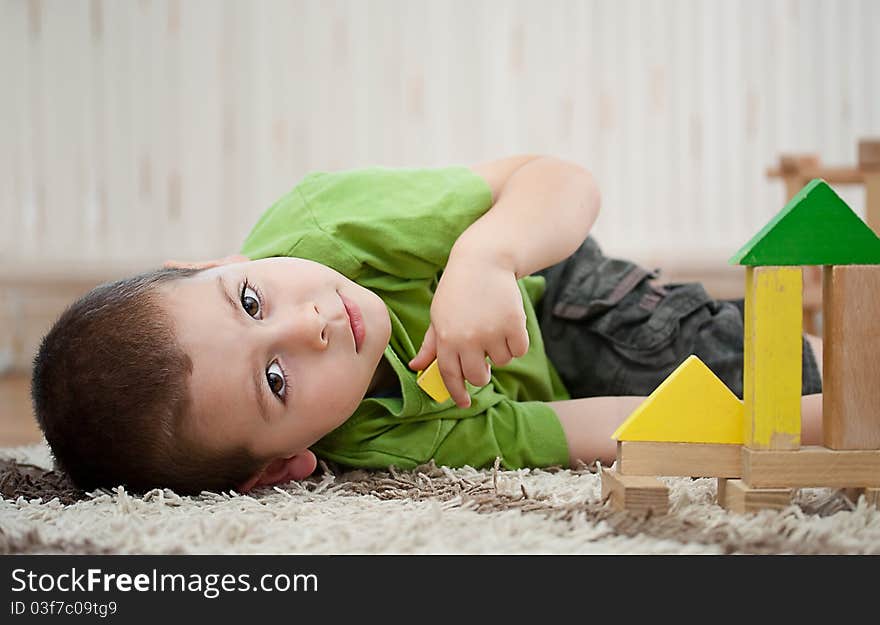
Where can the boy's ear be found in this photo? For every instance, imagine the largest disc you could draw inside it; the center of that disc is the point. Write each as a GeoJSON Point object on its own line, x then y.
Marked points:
{"type": "Point", "coordinates": [205, 264]}
{"type": "Point", "coordinates": [283, 470]}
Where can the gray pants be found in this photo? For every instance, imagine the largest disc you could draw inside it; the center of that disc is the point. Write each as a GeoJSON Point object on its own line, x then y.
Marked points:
{"type": "Point", "coordinates": [611, 329]}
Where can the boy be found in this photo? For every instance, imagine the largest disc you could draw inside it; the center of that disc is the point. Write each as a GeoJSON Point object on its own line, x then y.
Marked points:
{"type": "Point", "coordinates": [238, 372]}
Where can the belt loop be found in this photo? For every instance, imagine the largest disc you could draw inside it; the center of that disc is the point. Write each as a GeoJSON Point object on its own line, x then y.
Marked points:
{"type": "Point", "coordinates": [630, 280]}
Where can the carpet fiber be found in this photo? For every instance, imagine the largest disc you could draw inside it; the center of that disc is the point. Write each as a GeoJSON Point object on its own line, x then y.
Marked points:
{"type": "Point", "coordinates": [430, 510]}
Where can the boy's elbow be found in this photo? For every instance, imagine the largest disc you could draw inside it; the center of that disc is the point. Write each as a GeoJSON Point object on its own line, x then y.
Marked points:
{"type": "Point", "coordinates": [594, 196]}
{"type": "Point", "coordinates": [591, 202]}
{"type": "Point", "coordinates": [582, 190]}
{"type": "Point", "coordinates": [586, 182]}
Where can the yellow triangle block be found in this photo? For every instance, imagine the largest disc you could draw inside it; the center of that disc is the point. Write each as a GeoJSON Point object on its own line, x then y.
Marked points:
{"type": "Point", "coordinates": [690, 406]}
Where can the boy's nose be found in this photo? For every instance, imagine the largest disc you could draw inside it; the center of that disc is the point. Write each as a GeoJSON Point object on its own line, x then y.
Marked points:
{"type": "Point", "coordinates": [305, 328]}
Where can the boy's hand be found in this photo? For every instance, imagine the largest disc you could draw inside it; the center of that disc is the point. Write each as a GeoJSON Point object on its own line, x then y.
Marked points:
{"type": "Point", "coordinates": [477, 311]}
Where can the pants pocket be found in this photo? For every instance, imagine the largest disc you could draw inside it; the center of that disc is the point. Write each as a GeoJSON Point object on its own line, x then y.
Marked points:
{"type": "Point", "coordinates": [638, 319]}
{"type": "Point", "coordinates": [614, 331]}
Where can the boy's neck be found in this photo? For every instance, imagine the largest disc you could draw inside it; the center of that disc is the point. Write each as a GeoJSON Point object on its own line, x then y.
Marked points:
{"type": "Point", "coordinates": [383, 378]}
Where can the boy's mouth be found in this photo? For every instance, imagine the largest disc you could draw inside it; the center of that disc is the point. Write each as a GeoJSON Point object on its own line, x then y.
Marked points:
{"type": "Point", "coordinates": [355, 321]}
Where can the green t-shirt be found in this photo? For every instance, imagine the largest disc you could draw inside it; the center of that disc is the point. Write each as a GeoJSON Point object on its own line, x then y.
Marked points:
{"type": "Point", "coordinates": [391, 231]}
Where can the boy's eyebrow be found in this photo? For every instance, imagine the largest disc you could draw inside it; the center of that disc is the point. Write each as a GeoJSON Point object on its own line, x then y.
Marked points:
{"type": "Point", "coordinates": [258, 384]}
{"type": "Point", "coordinates": [225, 294]}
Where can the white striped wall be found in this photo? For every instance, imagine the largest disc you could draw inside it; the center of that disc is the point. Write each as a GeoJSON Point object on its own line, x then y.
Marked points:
{"type": "Point", "coordinates": [137, 130]}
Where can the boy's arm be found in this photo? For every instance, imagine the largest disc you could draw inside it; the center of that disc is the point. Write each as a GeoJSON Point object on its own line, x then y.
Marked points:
{"type": "Point", "coordinates": [589, 422]}
{"type": "Point", "coordinates": [543, 210]}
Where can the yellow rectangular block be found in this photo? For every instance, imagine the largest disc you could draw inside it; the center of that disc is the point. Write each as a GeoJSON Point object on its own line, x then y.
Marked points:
{"type": "Point", "coordinates": [431, 382]}
{"type": "Point", "coordinates": [773, 357]}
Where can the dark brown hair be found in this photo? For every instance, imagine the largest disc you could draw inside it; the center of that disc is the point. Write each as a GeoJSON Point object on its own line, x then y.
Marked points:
{"type": "Point", "coordinates": [110, 391]}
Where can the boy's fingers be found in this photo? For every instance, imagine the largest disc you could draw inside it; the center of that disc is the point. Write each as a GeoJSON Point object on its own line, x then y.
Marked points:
{"type": "Point", "coordinates": [453, 380]}
{"type": "Point", "coordinates": [500, 354]}
{"type": "Point", "coordinates": [475, 368]}
{"type": "Point", "coordinates": [427, 352]}
{"type": "Point", "coordinates": [519, 344]}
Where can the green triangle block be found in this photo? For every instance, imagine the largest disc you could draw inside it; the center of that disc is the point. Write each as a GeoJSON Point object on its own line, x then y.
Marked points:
{"type": "Point", "coordinates": [815, 228]}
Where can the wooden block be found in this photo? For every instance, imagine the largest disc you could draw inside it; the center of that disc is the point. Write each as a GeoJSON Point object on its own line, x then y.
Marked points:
{"type": "Point", "coordinates": [852, 494]}
{"type": "Point", "coordinates": [794, 163]}
{"type": "Point", "coordinates": [684, 459]}
{"type": "Point", "coordinates": [772, 367]}
{"type": "Point", "coordinates": [872, 199]}
{"type": "Point", "coordinates": [869, 154]}
{"type": "Point", "coordinates": [635, 493]}
{"type": "Point", "coordinates": [721, 488]}
{"type": "Point", "coordinates": [811, 467]}
{"type": "Point", "coordinates": [834, 175]}
{"type": "Point", "coordinates": [690, 406]}
{"type": "Point", "coordinates": [872, 496]}
{"type": "Point", "coordinates": [431, 382]}
{"type": "Point", "coordinates": [735, 496]}
{"type": "Point", "coordinates": [851, 357]}
{"type": "Point", "coordinates": [831, 175]}
{"type": "Point", "coordinates": [816, 227]}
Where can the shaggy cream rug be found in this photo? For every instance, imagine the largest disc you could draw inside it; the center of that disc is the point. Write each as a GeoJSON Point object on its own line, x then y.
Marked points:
{"type": "Point", "coordinates": [431, 510]}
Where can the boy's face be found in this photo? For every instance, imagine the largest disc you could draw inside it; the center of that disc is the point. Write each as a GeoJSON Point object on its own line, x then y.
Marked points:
{"type": "Point", "coordinates": [283, 350]}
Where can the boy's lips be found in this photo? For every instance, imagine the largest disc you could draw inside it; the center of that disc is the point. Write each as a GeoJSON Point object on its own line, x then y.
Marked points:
{"type": "Point", "coordinates": [355, 321]}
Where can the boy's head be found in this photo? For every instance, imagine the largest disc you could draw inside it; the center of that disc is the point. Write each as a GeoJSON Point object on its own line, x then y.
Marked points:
{"type": "Point", "coordinates": [214, 376]}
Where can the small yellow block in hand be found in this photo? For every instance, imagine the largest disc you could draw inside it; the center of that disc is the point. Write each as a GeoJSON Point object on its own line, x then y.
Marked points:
{"type": "Point", "coordinates": [431, 382]}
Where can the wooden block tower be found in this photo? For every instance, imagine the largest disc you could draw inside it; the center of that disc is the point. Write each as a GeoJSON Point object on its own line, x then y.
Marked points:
{"type": "Point", "coordinates": [796, 170]}
{"type": "Point", "coordinates": [815, 228]}
{"type": "Point", "coordinates": [761, 440]}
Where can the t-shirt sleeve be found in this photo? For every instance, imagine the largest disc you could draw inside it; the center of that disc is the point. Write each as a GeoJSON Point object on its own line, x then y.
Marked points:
{"type": "Point", "coordinates": [397, 221]}
{"type": "Point", "coordinates": [521, 434]}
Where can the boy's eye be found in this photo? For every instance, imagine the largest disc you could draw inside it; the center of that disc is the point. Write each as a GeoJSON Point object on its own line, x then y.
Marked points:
{"type": "Point", "coordinates": [275, 378]}
{"type": "Point", "coordinates": [250, 301]}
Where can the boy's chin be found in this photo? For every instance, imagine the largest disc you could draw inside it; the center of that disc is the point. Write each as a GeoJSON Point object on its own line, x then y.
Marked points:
{"type": "Point", "coordinates": [383, 326]}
